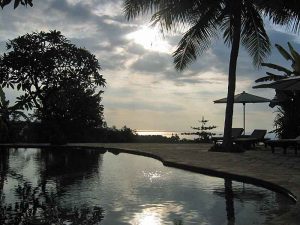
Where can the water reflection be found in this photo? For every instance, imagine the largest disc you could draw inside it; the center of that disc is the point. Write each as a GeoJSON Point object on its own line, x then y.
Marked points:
{"type": "Point", "coordinates": [156, 214]}
{"type": "Point", "coordinates": [35, 206]}
{"type": "Point", "coordinates": [36, 201]}
{"type": "Point", "coordinates": [67, 167]}
{"type": "Point", "coordinates": [229, 201]}
{"type": "Point", "coordinates": [85, 187]}
{"type": "Point", "coordinates": [4, 158]}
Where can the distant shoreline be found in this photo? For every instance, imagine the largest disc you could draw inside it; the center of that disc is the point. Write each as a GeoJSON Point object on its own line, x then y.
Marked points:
{"type": "Point", "coordinates": [168, 133]}
{"type": "Point", "coordinates": [181, 136]}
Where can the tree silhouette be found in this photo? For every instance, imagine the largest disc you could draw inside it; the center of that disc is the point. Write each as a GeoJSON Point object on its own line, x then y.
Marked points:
{"type": "Point", "coordinates": [8, 114]}
{"type": "Point", "coordinates": [203, 132]}
{"type": "Point", "coordinates": [71, 110]}
{"type": "Point", "coordinates": [39, 62]}
{"type": "Point", "coordinates": [59, 79]}
{"type": "Point", "coordinates": [287, 120]}
{"type": "Point", "coordinates": [240, 21]}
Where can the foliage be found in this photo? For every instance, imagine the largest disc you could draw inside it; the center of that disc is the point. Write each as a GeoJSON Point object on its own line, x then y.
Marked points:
{"type": "Point", "coordinates": [292, 56]}
{"type": "Point", "coordinates": [38, 63]}
{"type": "Point", "coordinates": [287, 121]}
{"type": "Point", "coordinates": [36, 206]}
{"type": "Point", "coordinates": [157, 139]}
{"type": "Point", "coordinates": [283, 12]}
{"type": "Point", "coordinates": [3, 3]}
{"type": "Point", "coordinates": [69, 111]}
{"type": "Point", "coordinates": [35, 132]}
{"type": "Point", "coordinates": [8, 115]}
{"type": "Point", "coordinates": [59, 79]}
{"type": "Point", "coordinates": [7, 112]}
{"type": "Point", "coordinates": [203, 132]}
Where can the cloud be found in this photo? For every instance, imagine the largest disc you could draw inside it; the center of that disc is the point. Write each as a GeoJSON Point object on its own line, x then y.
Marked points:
{"type": "Point", "coordinates": [140, 79]}
{"type": "Point", "coordinates": [147, 106]}
{"type": "Point", "coordinates": [151, 63]}
{"type": "Point", "coordinates": [78, 12]}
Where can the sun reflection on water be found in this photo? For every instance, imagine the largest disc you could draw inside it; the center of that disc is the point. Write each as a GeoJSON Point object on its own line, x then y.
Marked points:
{"type": "Point", "coordinates": [149, 216]}
{"type": "Point", "coordinates": [156, 214]}
{"type": "Point", "coordinates": [153, 175]}
{"type": "Point", "coordinates": [149, 219]}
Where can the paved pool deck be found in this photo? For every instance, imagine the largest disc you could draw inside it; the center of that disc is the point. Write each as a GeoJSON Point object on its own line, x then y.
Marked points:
{"type": "Point", "coordinates": [275, 171]}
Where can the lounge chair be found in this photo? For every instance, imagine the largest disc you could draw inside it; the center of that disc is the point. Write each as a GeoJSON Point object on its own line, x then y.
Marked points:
{"type": "Point", "coordinates": [285, 144]}
{"type": "Point", "coordinates": [235, 133]}
{"type": "Point", "coordinates": [249, 141]}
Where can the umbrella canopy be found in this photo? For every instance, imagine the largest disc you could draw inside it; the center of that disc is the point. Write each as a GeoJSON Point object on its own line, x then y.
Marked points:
{"type": "Point", "coordinates": [287, 84]}
{"type": "Point", "coordinates": [245, 98]}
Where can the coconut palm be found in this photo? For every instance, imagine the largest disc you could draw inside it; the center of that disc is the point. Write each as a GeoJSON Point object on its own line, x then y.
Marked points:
{"type": "Point", "coordinates": [291, 55]}
{"type": "Point", "coordinates": [239, 21]}
{"type": "Point", "coordinates": [283, 12]}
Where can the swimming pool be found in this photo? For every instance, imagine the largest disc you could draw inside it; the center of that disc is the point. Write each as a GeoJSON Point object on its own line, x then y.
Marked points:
{"type": "Point", "coordinates": [86, 187]}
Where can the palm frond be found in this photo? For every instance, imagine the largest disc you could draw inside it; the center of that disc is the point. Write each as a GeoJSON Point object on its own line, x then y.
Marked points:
{"type": "Point", "coordinates": [293, 52]}
{"type": "Point", "coordinates": [226, 25]}
{"type": "Point", "coordinates": [277, 67]}
{"type": "Point", "coordinates": [283, 52]}
{"type": "Point", "coordinates": [253, 36]}
{"type": "Point", "coordinates": [270, 77]}
{"type": "Point", "coordinates": [282, 12]}
{"type": "Point", "coordinates": [197, 39]}
{"type": "Point", "coordinates": [134, 8]}
{"type": "Point", "coordinates": [173, 13]}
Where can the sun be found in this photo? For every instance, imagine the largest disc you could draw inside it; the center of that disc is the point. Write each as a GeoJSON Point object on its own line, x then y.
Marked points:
{"type": "Point", "coordinates": [151, 39]}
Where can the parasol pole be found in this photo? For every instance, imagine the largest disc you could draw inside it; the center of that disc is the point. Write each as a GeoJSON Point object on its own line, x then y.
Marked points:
{"type": "Point", "coordinates": [244, 106]}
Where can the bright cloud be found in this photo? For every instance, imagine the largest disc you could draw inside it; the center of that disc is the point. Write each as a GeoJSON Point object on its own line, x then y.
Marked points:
{"type": "Point", "coordinates": [151, 39]}
{"type": "Point", "coordinates": [144, 91]}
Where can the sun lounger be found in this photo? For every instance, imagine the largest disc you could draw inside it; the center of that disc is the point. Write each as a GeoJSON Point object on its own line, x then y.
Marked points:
{"type": "Point", "coordinates": [285, 144]}
{"type": "Point", "coordinates": [249, 141]}
{"type": "Point", "coordinates": [236, 132]}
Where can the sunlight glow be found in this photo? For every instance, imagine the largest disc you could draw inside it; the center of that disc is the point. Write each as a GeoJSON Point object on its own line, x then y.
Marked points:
{"type": "Point", "coordinates": [151, 39]}
{"type": "Point", "coordinates": [147, 217]}
{"type": "Point", "coordinates": [155, 214]}
{"type": "Point", "coordinates": [152, 175]}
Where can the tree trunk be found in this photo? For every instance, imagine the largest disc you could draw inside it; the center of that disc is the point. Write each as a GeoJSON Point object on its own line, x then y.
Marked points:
{"type": "Point", "coordinates": [236, 12]}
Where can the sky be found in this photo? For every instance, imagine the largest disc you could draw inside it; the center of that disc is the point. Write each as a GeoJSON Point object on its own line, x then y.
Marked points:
{"type": "Point", "coordinates": [143, 90]}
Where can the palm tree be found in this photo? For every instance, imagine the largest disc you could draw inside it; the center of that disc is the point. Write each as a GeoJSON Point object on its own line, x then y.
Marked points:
{"type": "Point", "coordinates": [283, 12]}
{"type": "Point", "coordinates": [291, 55]}
{"type": "Point", "coordinates": [239, 21]}
{"type": "Point", "coordinates": [287, 121]}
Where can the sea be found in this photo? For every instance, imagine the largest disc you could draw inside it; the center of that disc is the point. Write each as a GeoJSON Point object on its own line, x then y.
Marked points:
{"type": "Point", "coordinates": [171, 133]}
{"type": "Point", "coordinates": [183, 136]}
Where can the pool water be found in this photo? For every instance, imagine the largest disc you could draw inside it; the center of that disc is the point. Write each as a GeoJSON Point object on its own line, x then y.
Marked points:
{"type": "Point", "coordinates": [86, 187]}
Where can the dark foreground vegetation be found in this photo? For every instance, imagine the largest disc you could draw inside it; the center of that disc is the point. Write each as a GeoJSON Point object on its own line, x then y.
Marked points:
{"type": "Point", "coordinates": [35, 132]}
